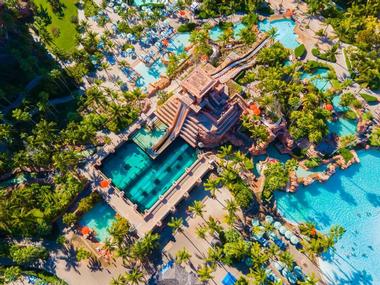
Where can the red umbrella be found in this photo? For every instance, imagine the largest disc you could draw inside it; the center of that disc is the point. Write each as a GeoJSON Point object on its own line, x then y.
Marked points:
{"type": "Point", "coordinates": [104, 183]}
{"type": "Point", "coordinates": [329, 107]}
{"type": "Point", "coordinates": [165, 42]}
{"type": "Point", "coordinates": [182, 13]}
{"type": "Point", "coordinates": [255, 109]}
{"type": "Point", "coordinates": [85, 230]}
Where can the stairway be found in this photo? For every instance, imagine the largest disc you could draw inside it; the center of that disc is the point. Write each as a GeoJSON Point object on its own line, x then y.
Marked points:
{"type": "Point", "coordinates": [189, 131]}
{"type": "Point", "coordinates": [167, 112]}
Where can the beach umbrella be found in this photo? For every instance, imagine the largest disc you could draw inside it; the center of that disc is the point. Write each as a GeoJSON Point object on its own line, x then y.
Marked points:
{"type": "Point", "coordinates": [278, 266]}
{"type": "Point", "coordinates": [165, 42]}
{"type": "Point", "coordinates": [104, 183]}
{"type": "Point", "coordinates": [329, 107]}
{"type": "Point", "coordinates": [288, 234]}
{"type": "Point", "coordinates": [182, 13]}
{"type": "Point", "coordinates": [255, 222]}
{"type": "Point", "coordinates": [294, 240]}
{"type": "Point", "coordinates": [291, 278]}
{"type": "Point", "coordinates": [282, 230]}
{"type": "Point", "coordinates": [269, 219]}
{"type": "Point", "coordinates": [85, 230]}
{"type": "Point", "coordinates": [277, 225]}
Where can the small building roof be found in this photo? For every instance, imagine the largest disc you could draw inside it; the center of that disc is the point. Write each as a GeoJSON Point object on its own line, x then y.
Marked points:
{"type": "Point", "coordinates": [198, 83]}
{"type": "Point", "coordinates": [176, 275]}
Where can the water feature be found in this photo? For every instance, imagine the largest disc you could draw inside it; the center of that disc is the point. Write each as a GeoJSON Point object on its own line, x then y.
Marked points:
{"type": "Point", "coordinates": [302, 172]}
{"type": "Point", "coordinates": [99, 219]}
{"type": "Point", "coordinates": [179, 42]}
{"type": "Point", "coordinates": [350, 198]}
{"type": "Point", "coordinates": [149, 74]}
{"type": "Point", "coordinates": [285, 31]}
{"type": "Point", "coordinates": [143, 2]}
{"type": "Point", "coordinates": [343, 127]}
{"type": "Point", "coordinates": [147, 137]}
{"type": "Point", "coordinates": [318, 78]}
{"type": "Point", "coordinates": [216, 31]}
{"type": "Point", "coordinates": [143, 179]}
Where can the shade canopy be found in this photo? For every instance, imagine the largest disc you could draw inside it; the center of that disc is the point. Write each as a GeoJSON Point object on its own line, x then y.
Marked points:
{"type": "Point", "coordinates": [277, 225]}
{"type": "Point", "coordinates": [329, 107]}
{"type": "Point", "coordinates": [269, 219]}
{"type": "Point", "coordinates": [282, 230]}
{"type": "Point", "coordinates": [294, 240]}
{"type": "Point", "coordinates": [288, 234]}
{"type": "Point", "coordinates": [85, 230]}
{"type": "Point", "coordinates": [104, 183]}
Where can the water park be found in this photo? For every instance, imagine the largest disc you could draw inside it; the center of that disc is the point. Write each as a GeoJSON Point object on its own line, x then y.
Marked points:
{"type": "Point", "coordinates": [199, 143]}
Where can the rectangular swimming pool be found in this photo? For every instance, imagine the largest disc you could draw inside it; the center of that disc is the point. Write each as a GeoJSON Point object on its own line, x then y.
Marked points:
{"type": "Point", "coordinates": [143, 179]}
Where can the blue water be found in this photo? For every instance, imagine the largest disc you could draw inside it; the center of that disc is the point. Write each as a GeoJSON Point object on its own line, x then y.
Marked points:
{"type": "Point", "coordinates": [271, 152]}
{"type": "Point", "coordinates": [336, 103]}
{"type": "Point", "coordinates": [318, 78]}
{"type": "Point", "coordinates": [179, 42]}
{"type": "Point", "coordinates": [99, 219]}
{"type": "Point", "coordinates": [302, 172]}
{"type": "Point", "coordinates": [149, 74]}
{"type": "Point", "coordinates": [143, 179]}
{"type": "Point", "coordinates": [350, 198]}
{"type": "Point", "coordinates": [142, 2]}
{"type": "Point", "coordinates": [343, 127]}
{"type": "Point", "coordinates": [216, 31]}
{"type": "Point", "coordinates": [285, 31]}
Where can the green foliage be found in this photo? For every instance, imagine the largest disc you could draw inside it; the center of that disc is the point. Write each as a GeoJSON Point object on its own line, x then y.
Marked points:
{"type": "Point", "coordinates": [69, 219]}
{"type": "Point", "coordinates": [88, 202]}
{"type": "Point", "coordinates": [275, 55]}
{"type": "Point", "coordinates": [300, 51]}
{"type": "Point", "coordinates": [312, 162]}
{"type": "Point", "coordinates": [329, 55]}
{"type": "Point", "coordinates": [187, 27]}
{"type": "Point", "coordinates": [346, 154]}
{"type": "Point", "coordinates": [374, 138]}
{"type": "Point", "coordinates": [27, 255]}
{"type": "Point", "coordinates": [369, 98]}
{"type": "Point", "coordinates": [29, 210]}
{"type": "Point", "coordinates": [257, 132]}
{"type": "Point", "coordinates": [82, 254]}
{"type": "Point", "coordinates": [119, 230]}
{"type": "Point", "coordinates": [350, 115]}
{"type": "Point", "coordinates": [349, 99]}
{"type": "Point", "coordinates": [347, 141]}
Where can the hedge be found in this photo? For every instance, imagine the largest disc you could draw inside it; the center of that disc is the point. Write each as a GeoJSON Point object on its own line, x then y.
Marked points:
{"type": "Point", "coordinates": [369, 98]}
{"type": "Point", "coordinates": [300, 51]}
{"type": "Point", "coordinates": [186, 28]}
{"type": "Point", "coordinates": [324, 56]}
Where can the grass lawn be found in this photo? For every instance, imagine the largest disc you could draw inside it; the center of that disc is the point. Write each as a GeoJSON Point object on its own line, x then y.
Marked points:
{"type": "Point", "coordinates": [66, 39]}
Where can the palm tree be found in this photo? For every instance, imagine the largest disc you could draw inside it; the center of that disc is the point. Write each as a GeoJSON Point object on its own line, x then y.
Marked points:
{"type": "Point", "coordinates": [288, 259]}
{"type": "Point", "coordinates": [176, 224]}
{"type": "Point", "coordinates": [225, 151]}
{"type": "Point", "coordinates": [119, 280]}
{"type": "Point", "coordinates": [197, 208]}
{"type": "Point", "coordinates": [201, 232]}
{"type": "Point", "coordinates": [211, 185]}
{"type": "Point", "coordinates": [205, 273]}
{"type": "Point", "coordinates": [134, 277]}
{"type": "Point", "coordinates": [182, 256]}
{"type": "Point", "coordinates": [272, 32]}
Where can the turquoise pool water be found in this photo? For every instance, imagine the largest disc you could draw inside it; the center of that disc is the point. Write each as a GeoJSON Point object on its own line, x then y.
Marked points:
{"type": "Point", "coordinates": [99, 218]}
{"type": "Point", "coordinates": [146, 138]}
{"type": "Point", "coordinates": [350, 198]}
{"type": "Point", "coordinates": [322, 83]}
{"type": "Point", "coordinates": [149, 74]}
{"type": "Point", "coordinates": [272, 152]}
{"type": "Point", "coordinates": [142, 2]}
{"type": "Point", "coordinates": [143, 179]}
{"type": "Point", "coordinates": [285, 31]}
{"type": "Point", "coordinates": [337, 106]}
{"type": "Point", "coordinates": [343, 127]}
{"type": "Point", "coordinates": [302, 172]}
{"type": "Point", "coordinates": [179, 42]}
{"type": "Point", "coordinates": [216, 31]}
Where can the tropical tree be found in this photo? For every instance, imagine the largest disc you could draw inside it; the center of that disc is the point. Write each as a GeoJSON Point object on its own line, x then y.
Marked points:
{"type": "Point", "coordinates": [176, 224]}
{"type": "Point", "coordinates": [12, 274]}
{"type": "Point", "coordinates": [197, 208]}
{"type": "Point", "coordinates": [204, 273]}
{"type": "Point", "coordinates": [182, 256]}
{"type": "Point", "coordinates": [134, 277]}
{"type": "Point", "coordinates": [211, 185]}
{"type": "Point", "coordinates": [310, 280]}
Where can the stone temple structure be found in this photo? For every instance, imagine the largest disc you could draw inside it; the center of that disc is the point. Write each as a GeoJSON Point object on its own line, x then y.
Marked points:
{"type": "Point", "coordinates": [202, 112]}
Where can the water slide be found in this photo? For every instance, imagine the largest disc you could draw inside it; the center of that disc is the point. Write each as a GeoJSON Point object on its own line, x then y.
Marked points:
{"type": "Point", "coordinates": [240, 61]}
{"type": "Point", "coordinates": [173, 131]}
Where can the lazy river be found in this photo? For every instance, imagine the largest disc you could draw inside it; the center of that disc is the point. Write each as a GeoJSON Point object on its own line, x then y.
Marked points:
{"type": "Point", "coordinates": [350, 198]}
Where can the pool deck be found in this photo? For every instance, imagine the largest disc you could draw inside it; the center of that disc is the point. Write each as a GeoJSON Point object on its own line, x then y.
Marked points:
{"type": "Point", "coordinates": [147, 221]}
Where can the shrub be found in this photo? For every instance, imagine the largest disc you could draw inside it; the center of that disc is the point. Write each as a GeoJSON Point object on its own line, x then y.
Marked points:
{"type": "Point", "coordinates": [346, 154]}
{"type": "Point", "coordinates": [328, 56]}
{"type": "Point", "coordinates": [70, 219]}
{"type": "Point", "coordinates": [369, 98]}
{"type": "Point", "coordinates": [350, 115]}
{"type": "Point", "coordinates": [87, 202]}
{"type": "Point", "coordinates": [300, 51]}
{"type": "Point", "coordinates": [185, 28]}
{"type": "Point", "coordinates": [83, 254]}
{"type": "Point", "coordinates": [312, 162]}
{"type": "Point", "coordinates": [27, 255]}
